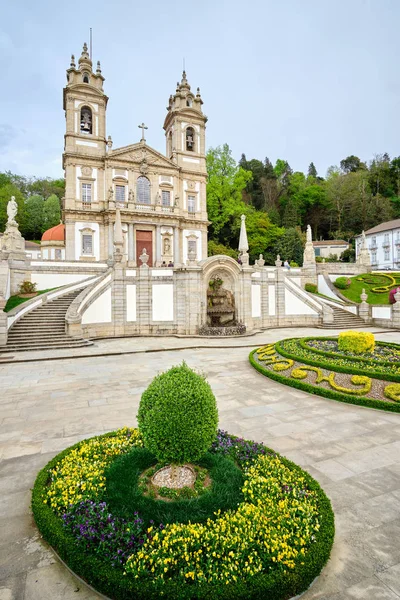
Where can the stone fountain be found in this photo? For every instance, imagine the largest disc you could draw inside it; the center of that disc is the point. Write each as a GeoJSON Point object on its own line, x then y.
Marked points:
{"type": "Point", "coordinates": [221, 317]}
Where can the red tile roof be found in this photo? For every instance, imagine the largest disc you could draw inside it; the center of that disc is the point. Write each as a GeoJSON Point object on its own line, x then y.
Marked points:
{"type": "Point", "coordinates": [55, 234]}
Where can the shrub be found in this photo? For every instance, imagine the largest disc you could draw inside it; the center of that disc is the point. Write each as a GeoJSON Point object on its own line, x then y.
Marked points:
{"type": "Point", "coordinates": [392, 299]}
{"type": "Point", "coordinates": [293, 264]}
{"type": "Point", "coordinates": [27, 287]}
{"type": "Point", "coordinates": [311, 287]}
{"type": "Point", "coordinates": [356, 341]}
{"type": "Point", "coordinates": [318, 259]}
{"type": "Point", "coordinates": [178, 416]}
{"type": "Point", "coordinates": [342, 283]}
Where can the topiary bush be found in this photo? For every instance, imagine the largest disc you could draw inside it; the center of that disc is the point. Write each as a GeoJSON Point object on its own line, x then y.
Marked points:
{"type": "Point", "coordinates": [311, 287]}
{"type": "Point", "coordinates": [342, 283]}
{"type": "Point", "coordinates": [356, 341]}
{"type": "Point", "coordinates": [178, 416]}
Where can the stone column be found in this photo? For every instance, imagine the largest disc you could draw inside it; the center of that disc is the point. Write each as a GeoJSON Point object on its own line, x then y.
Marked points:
{"type": "Point", "coordinates": [363, 309]}
{"type": "Point", "coordinates": [396, 311]}
{"type": "Point", "coordinates": [158, 246]}
{"type": "Point", "coordinates": [264, 298]}
{"type": "Point", "coordinates": [279, 290]}
{"type": "Point", "coordinates": [177, 258]}
{"type": "Point", "coordinates": [110, 239]}
{"type": "Point", "coordinates": [131, 246]}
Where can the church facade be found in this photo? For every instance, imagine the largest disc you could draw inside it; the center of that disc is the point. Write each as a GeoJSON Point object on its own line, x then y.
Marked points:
{"type": "Point", "coordinates": [162, 198]}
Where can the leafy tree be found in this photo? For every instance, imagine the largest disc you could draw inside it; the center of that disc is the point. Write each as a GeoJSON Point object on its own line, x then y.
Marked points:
{"type": "Point", "coordinates": [312, 171]}
{"type": "Point", "coordinates": [46, 187]}
{"type": "Point", "coordinates": [34, 217]}
{"type": "Point", "coordinates": [216, 248]}
{"type": "Point", "coordinates": [351, 164]}
{"type": "Point", "coordinates": [51, 212]}
{"type": "Point", "coordinates": [290, 246]}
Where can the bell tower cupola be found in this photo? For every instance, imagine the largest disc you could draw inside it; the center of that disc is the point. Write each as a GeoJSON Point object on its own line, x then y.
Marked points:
{"type": "Point", "coordinates": [185, 126]}
{"type": "Point", "coordinates": [85, 106]}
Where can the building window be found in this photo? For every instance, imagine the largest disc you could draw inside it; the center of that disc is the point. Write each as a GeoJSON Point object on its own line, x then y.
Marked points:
{"type": "Point", "coordinates": [143, 190]}
{"type": "Point", "coordinates": [57, 254]}
{"type": "Point", "coordinates": [119, 193]}
{"type": "Point", "coordinates": [374, 242]}
{"type": "Point", "coordinates": [86, 120]}
{"type": "Point", "coordinates": [189, 102]}
{"type": "Point", "coordinates": [373, 258]}
{"type": "Point", "coordinates": [86, 193]}
{"type": "Point", "coordinates": [86, 78]}
{"type": "Point", "coordinates": [317, 251]}
{"type": "Point", "coordinates": [191, 204]}
{"type": "Point", "coordinates": [192, 249]}
{"type": "Point", "coordinates": [190, 139]}
{"type": "Point", "coordinates": [387, 254]}
{"type": "Point", "coordinates": [166, 198]}
{"type": "Point", "coordinates": [87, 244]}
{"type": "Point", "coordinates": [386, 239]}
{"type": "Point", "coordinates": [398, 254]}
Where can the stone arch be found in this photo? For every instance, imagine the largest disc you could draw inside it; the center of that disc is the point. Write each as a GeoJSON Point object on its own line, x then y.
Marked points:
{"type": "Point", "coordinates": [227, 269]}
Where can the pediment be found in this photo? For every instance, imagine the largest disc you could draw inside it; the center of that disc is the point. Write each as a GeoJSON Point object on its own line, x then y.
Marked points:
{"type": "Point", "coordinates": [137, 153]}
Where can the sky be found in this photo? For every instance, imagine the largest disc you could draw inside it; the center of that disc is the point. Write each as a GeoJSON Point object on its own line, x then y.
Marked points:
{"type": "Point", "coordinates": [301, 80]}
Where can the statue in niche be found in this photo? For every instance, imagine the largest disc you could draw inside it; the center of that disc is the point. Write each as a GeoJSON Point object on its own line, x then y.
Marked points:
{"type": "Point", "coordinates": [176, 201]}
{"type": "Point", "coordinates": [131, 196]}
{"type": "Point", "coordinates": [110, 194]}
{"type": "Point", "coordinates": [158, 198]}
{"type": "Point", "coordinates": [167, 245]}
{"type": "Point", "coordinates": [12, 209]}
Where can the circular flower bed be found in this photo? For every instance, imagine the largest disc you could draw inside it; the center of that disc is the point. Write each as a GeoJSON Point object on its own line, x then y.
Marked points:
{"type": "Point", "coordinates": [264, 528]}
{"type": "Point", "coordinates": [320, 366]}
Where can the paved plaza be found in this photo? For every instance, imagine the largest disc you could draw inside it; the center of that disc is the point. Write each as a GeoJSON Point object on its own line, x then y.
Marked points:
{"type": "Point", "coordinates": [354, 452]}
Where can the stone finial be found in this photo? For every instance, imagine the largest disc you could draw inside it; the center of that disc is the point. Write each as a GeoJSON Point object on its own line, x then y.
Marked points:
{"type": "Point", "coordinates": [309, 252]}
{"type": "Point", "coordinates": [98, 69]}
{"type": "Point", "coordinates": [278, 262]}
{"type": "Point", "coordinates": [363, 296]}
{"type": "Point", "coordinates": [309, 234]}
{"type": "Point", "coordinates": [109, 142]}
{"type": "Point", "coordinates": [72, 65]}
{"type": "Point", "coordinates": [260, 262]}
{"type": "Point", "coordinates": [144, 257]}
{"type": "Point", "coordinates": [243, 242]}
{"type": "Point", "coordinates": [363, 258]}
{"type": "Point", "coordinates": [118, 237]}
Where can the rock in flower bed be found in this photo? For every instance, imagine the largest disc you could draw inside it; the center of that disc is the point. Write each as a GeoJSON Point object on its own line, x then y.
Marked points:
{"type": "Point", "coordinates": [319, 366]}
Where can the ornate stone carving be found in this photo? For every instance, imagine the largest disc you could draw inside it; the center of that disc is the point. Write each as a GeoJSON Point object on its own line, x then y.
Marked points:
{"type": "Point", "coordinates": [191, 185]}
{"type": "Point", "coordinates": [144, 257]}
{"type": "Point", "coordinates": [12, 209]}
{"type": "Point", "coordinates": [87, 171]}
{"type": "Point", "coordinates": [260, 262]}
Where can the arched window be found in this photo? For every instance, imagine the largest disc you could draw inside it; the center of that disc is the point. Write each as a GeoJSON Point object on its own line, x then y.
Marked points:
{"type": "Point", "coordinates": [190, 139]}
{"type": "Point", "coordinates": [189, 101]}
{"type": "Point", "coordinates": [86, 120]}
{"type": "Point", "coordinates": [143, 190]}
{"type": "Point", "coordinates": [85, 78]}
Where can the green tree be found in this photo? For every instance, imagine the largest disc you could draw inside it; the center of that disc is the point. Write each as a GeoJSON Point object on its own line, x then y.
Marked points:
{"type": "Point", "coordinates": [51, 212]}
{"type": "Point", "coordinates": [33, 228]}
{"type": "Point", "coordinates": [216, 248]}
{"type": "Point", "coordinates": [46, 187]}
{"type": "Point", "coordinates": [351, 164]}
{"type": "Point", "coordinates": [290, 246]}
{"type": "Point", "coordinates": [312, 171]}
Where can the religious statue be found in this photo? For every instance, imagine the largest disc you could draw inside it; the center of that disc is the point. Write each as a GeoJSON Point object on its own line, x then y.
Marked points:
{"type": "Point", "coordinates": [131, 196]}
{"type": "Point", "coordinates": [309, 234]}
{"type": "Point", "coordinates": [12, 209]}
{"type": "Point", "coordinates": [167, 245]}
{"type": "Point", "coordinates": [110, 194]}
{"type": "Point", "coordinates": [158, 198]}
{"type": "Point", "coordinates": [176, 201]}
{"type": "Point", "coordinates": [86, 120]}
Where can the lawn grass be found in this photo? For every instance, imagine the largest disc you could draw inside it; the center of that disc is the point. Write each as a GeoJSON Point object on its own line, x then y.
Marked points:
{"type": "Point", "coordinates": [14, 301]}
{"type": "Point", "coordinates": [379, 280]}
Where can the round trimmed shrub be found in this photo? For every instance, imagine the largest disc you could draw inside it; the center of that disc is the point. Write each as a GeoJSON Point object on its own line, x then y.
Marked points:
{"type": "Point", "coordinates": [342, 283]}
{"type": "Point", "coordinates": [178, 416]}
{"type": "Point", "coordinates": [356, 341]}
{"type": "Point", "coordinates": [311, 287]}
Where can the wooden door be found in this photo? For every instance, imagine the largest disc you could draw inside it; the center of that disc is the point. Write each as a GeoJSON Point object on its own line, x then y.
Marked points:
{"type": "Point", "coordinates": [144, 239]}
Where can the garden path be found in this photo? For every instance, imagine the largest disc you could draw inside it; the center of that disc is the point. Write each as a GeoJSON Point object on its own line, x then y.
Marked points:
{"type": "Point", "coordinates": [352, 451]}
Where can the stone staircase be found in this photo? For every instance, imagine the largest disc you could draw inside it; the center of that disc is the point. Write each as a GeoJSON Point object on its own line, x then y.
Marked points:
{"type": "Point", "coordinates": [342, 319]}
{"type": "Point", "coordinates": [43, 328]}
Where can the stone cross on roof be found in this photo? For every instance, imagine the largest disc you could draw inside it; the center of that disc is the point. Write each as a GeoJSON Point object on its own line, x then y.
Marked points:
{"type": "Point", "coordinates": [142, 127]}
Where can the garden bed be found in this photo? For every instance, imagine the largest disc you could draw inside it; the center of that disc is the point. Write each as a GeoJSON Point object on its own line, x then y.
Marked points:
{"type": "Point", "coordinates": [376, 285]}
{"type": "Point", "coordinates": [263, 528]}
{"type": "Point", "coordinates": [318, 366]}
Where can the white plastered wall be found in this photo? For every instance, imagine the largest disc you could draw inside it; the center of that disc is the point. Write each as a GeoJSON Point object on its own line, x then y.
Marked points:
{"type": "Point", "coordinates": [295, 306]}
{"type": "Point", "coordinates": [131, 302]}
{"type": "Point", "coordinates": [163, 302]}
{"type": "Point", "coordinates": [256, 301]}
{"type": "Point", "coordinates": [100, 310]}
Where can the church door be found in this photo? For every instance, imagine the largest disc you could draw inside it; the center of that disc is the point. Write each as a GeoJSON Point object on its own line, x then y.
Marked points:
{"type": "Point", "coordinates": [144, 239]}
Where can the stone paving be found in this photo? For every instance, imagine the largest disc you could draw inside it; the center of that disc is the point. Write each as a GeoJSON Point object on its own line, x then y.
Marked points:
{"type": "Point", "coordinates": [352, 451]}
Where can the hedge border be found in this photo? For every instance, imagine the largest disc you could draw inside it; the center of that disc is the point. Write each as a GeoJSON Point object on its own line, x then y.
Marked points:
{"type": "Point", "coordinates": [333, 366]}
{"type": "Point", "coordinates": [324, 392]}
{"type": "Point", "coordinates": [107, 580]}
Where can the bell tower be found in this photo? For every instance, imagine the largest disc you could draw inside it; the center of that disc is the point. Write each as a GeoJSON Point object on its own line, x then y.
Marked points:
{"type": "Point", "coordinates": [184, 127]}
{"type": "Point", "coordinates": [85, 106]}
